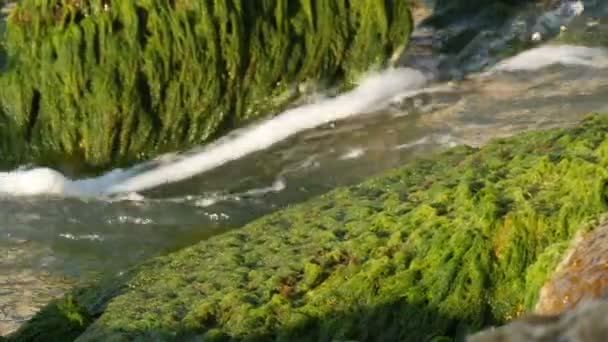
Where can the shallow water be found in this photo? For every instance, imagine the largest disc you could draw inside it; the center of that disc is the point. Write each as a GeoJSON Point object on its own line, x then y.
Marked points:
{"type": "Point", "coordinates": [53, 242]}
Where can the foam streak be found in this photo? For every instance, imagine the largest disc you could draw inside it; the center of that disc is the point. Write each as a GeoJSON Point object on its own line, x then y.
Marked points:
{"type": "Point", "coordinates": [374, 92]}
{"type": "Point", "coordinates": [545, 56]}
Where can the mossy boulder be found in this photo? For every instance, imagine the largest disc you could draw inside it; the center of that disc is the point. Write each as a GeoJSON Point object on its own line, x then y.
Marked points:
{"type": "Point", "coordinates": [111, 81]}
{"type": "Point", "coordinates": [435, 250]}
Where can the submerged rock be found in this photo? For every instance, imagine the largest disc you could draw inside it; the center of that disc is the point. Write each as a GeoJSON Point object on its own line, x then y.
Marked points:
{"type": "Point", "coordinates": [437, 249]}
{"type": "Point", "coordinates": [111, 81]}
{"type": "Point", "coordinates": [25, 289]}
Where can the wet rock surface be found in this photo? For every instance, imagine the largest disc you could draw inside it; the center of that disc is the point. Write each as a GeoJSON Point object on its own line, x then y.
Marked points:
{"type": "Point", "coordinates": [583, 275]}
{"type": "Point", "coordinates": [455, 38]}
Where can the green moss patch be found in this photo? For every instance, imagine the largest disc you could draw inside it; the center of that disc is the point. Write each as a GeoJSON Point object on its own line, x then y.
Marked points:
{"type": "Point", "coordinates": [441, 247]}
{"type": "Point", "coordinates": [112, 81]}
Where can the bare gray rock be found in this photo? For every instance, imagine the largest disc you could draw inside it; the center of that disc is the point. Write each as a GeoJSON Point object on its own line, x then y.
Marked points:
{"type": "Point", "coordinates": [586, 323]}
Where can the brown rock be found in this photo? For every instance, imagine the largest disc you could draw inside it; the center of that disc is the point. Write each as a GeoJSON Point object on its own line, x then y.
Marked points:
{"type": "Point", "coordinates": [573, 304]}
{"type": "Point", "coordinates": [582, 275]}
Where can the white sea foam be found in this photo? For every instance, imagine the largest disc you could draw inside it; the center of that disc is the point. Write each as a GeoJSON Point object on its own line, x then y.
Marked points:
{"type": "Point", "coordinates": [353, 153]}
{"type": "Point", "coordinates": [90, 237]}
{"type": "Point", "coordinates": [374, 92]}
{"type": "Point", "coordinates": [446, 140]}
{"type": "Point", "coordinates": [548, 55]}
{"type": "Point", "coordinates": [421, 141]}
{"type": "Point", "coordinates": [208, 200]}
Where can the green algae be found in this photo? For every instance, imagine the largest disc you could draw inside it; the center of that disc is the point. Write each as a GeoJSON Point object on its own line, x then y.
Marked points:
{"type": "Point", "coordinates": [432, 251]}
{"type": "Point", "coordinates": [135, 78]}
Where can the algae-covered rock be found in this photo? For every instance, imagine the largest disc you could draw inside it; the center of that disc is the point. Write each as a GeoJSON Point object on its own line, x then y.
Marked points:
{"type": "Point", "coordinates": [109, 81]}
{"type": "Point", "coordinates": [434, 250]}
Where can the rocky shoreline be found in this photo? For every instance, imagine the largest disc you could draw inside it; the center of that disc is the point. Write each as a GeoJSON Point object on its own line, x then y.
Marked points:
{"type": "Point", "coordinates": [434, 251]}
{"type": "Point", "coordinates": [442, 247]}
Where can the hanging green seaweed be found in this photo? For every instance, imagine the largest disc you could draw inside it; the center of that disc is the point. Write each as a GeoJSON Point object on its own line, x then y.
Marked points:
{"type": "Point", "coordinates": [113, 81]}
